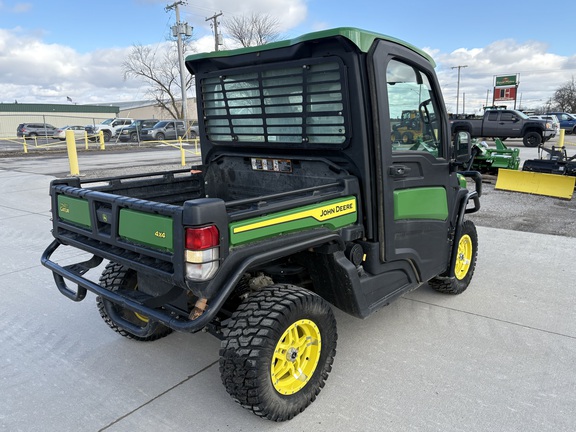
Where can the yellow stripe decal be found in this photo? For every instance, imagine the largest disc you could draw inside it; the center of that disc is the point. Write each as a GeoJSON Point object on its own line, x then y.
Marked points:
{"type": "Point", "coordinates": [321, 214]}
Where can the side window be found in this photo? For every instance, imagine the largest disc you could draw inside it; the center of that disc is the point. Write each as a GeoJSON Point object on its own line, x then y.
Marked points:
{"type": "Point", "coordinates": [492, 116]}
{"type": "Point", "coordinates": [414, 125]}
{"type": "Point", "coordinates": [506, 117]}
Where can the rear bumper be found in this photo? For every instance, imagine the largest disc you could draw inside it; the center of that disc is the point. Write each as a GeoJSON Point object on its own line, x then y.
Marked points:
{"type": "Point", "coordinates": [216, 291]}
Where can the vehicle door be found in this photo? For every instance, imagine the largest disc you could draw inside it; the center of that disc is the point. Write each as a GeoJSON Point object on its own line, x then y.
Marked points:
{"type": "Point", "coordinates": [417, 188]}
{"type": "Point", "coordinates": [509, 125]}
{"type": "Point", "coordinates": [170, 130]}
{"type": "Point", "coordinates": [490, 124]}
{"type": "Point", "coordinates": [79, 131]}
{"type": "Point", "coordinates": [180, 129]}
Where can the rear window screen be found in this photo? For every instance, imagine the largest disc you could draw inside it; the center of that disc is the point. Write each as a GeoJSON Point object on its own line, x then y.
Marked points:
{"type": "Point", "coordinates": [300, 104]}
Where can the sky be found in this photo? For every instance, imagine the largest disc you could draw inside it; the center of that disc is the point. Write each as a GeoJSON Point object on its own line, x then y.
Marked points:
{"type": "Point", "coordinates": [54, 50]}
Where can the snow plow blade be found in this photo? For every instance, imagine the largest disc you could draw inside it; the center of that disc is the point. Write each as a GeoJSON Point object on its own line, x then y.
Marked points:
{"type": "Point", "coordinates": [553, 185]}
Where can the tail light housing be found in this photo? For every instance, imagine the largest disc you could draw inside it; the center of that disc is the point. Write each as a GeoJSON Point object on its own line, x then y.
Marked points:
{"type": "Point", "coordinates": [202, 254]}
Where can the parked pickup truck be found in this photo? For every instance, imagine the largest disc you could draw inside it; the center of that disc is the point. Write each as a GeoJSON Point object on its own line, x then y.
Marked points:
{"type": "Point", "coordinates": [502, 123]}
{"type": "Point", "coordinates": [303, 202]}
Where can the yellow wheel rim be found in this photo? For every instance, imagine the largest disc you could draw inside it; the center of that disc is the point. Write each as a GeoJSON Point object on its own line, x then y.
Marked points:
{"type": "Point", "coordinates": [141, 317]}
{"type": "Point", "coordinates": [295, 357]}
{"type": "Point", "coordinates": [464, 257]}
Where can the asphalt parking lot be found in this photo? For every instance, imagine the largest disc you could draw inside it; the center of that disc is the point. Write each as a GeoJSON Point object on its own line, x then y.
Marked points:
{"type": "Point", "coordinates": [498, 357]}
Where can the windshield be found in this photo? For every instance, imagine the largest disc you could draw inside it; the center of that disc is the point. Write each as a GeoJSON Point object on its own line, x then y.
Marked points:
{"type": "Point", "coordinates": [161, 124]}
{"type": "Point", "coordinates": [521, 115]}
{"type": "Point", "coordinates": [108, 121]}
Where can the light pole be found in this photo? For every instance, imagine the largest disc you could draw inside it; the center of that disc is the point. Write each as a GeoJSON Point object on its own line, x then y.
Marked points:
{"type": "Point", "coordinates": [458, 85]}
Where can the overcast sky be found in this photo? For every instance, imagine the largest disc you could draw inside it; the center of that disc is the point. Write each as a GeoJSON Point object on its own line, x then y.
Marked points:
{"type": "Point", "coordinates": [52, 50]}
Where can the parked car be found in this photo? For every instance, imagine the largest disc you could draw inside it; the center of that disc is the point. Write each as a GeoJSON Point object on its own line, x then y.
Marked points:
{"type": "Point", "coordinates": [31, 130]}
{"type": "Point", "coordinates": [549, 118]}
{"type": "Point", "coordinates": [109, 127]}
{"type": "Point", "coordinates": [567, 121]}
{"type": "Point", "coordinates": [132, 132]}
{"type": "Point", "coordinates": [164, 130]}
{"type": "Point", "coordinates": [79, 132]}
{"type": "Point", "coordinates": [193, 132]}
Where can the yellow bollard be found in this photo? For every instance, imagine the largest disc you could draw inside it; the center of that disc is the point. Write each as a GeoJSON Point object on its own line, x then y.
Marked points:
{"type": "Point", "coordinates": [86, 140]}
{"type": "Point", "coordinates": [182, 153]}
{"type": "Point", "coordinates": [561, 138]}
{"type": "Point", "coordinates": [25, 146]}
{"type": "Point", "coordinates": [101, 137]}
{"type": "Point", "coordinates": [72, 155]}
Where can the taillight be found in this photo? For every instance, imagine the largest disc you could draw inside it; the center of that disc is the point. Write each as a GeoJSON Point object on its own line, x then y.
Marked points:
{"type": "Point", "coordinates": [202, 252]}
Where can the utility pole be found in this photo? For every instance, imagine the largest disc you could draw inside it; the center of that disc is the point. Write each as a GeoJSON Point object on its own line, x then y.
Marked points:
{"type": "Point", "coordinates": [458, 85]}
{"type": "Point", "coordinates": [178, 30]}
{"type": "Point", "coordinates": [217, 38]}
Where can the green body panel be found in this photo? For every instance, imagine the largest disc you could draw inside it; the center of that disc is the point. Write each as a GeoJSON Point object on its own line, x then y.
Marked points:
{"type": "Point", "coordinates": [332, 214]}
{"type": "Point", "coordinates": [74, 210]}
{"type": "Point", "coordinates": [363, 39]}
{"type": "Point", "coordinates": [146, 229]}
{"type": "Point", "coordinates": [421, 203]}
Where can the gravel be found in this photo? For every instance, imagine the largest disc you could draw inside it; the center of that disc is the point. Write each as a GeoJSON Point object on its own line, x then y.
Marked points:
{"type": "Point", "coordinates": [525, 212]}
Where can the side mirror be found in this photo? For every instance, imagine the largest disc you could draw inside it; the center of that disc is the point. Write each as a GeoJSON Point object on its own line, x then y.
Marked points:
{"type": "Point", "coordinates": [462, 147]}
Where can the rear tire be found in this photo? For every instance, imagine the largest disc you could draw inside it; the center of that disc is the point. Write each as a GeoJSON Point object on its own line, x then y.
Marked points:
{"type": "Point", "coordinates": [116, 277]}
{"type": "Point", "coordinates": [465, 263]}
{"type": "Point", "coordinates": [277, 352]}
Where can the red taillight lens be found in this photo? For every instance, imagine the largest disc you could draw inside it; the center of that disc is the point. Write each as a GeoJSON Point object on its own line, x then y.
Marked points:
{"type": "Point", "coordinates": [202, 238]}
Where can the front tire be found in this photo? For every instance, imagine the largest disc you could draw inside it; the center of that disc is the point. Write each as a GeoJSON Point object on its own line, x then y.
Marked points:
{"type": "Point", "coordinates": [277, 352]}
{"type": "Point", "coordinates": [107, 136]}
{"type": "Point", "coordinates": [464, 265]}
{"type": "Point", "coordinates": [116, 277]}
{"type": "Point", "coordinates": [532, 139]}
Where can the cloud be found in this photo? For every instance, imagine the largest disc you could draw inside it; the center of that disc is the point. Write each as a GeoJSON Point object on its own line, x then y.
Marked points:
{"type": "Point", "coordinates": [34, 71]}
{"type": "Point", "coordinates": [16, 8]}
{"type": "Point", "coordinates": [540, 72]}
{"type": "Point", "coordinates": [289, 13]}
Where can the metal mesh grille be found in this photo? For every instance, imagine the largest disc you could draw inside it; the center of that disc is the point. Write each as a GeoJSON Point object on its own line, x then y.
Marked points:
{"type": "Point", "coordinates": [299, 104]}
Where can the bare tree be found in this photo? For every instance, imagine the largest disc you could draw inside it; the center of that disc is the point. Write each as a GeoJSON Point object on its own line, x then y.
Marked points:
{"type": "Point", "coordinates": [252, 30]}
{"type": "Point", "coordinates": [565, 97]}
{"type": "Point", "coordinates": [159, 68]}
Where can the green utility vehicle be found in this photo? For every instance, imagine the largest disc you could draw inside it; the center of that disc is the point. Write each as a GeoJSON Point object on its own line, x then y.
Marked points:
{"type": "Point", "coordinates": [302, 203]}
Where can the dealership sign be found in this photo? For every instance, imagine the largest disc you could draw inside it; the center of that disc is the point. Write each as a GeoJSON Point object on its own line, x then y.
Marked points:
{"type": "Point", "coordinates": [504, 94]}
{"type": "Point", "coordinates": [506, 81]}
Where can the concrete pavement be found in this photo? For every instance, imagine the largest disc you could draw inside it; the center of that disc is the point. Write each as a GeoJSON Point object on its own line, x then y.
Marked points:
{"type": "Point", "coordinates": [499, 357]}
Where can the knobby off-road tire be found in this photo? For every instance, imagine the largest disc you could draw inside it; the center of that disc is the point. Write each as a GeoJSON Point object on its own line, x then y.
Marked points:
{"type": "Point", "coordinates": [115, 277]}
{"type": "Point", "coordinates": [465, 263]}
{"type": "Point", "coordinates": [277, 352]}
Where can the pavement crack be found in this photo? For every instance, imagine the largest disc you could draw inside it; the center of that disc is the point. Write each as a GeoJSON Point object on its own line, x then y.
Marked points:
{"type": "Point", "coordinates": [492, 318]}
{"type": "Point", "coordinates": [119, 419]}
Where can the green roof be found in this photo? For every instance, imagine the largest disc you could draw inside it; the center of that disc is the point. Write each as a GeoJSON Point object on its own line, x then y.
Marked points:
{"type": "Point", "coordinates": [363, 39]}
{"type": "Point", "coordinates": [57, 108]}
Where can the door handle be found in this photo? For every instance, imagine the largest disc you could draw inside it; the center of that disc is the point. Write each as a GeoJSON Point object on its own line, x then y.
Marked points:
{"type": "Point", "coordinates": [399, 170]}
